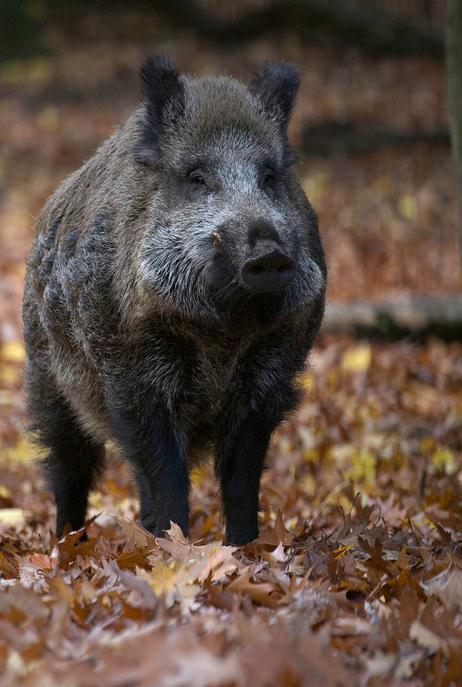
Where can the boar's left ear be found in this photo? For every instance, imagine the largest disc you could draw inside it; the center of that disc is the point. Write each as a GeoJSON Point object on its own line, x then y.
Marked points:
{"type": "Point", "coordinates": [276, 86]}
{"type": "Point", "coordinates": [164, 94]}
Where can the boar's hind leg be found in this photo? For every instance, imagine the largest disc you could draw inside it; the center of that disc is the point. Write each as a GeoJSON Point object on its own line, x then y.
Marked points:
{"type": "Point", "coordinates": [73, 461]}
{"type": "Point", "coordinates": [239, 462]}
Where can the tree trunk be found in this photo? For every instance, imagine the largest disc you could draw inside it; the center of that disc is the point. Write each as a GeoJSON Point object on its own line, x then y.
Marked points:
{"type": "Point", "coordinates": [454, 69]}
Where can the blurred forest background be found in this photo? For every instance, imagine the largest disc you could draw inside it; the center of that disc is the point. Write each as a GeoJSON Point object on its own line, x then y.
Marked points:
{"type": "Point", "coordinates": [374, 580]}
{"type": "Point", "coordinates": [371, 122]}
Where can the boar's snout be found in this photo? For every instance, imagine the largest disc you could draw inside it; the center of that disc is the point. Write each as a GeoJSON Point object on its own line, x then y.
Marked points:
{"type": "Point", "coordinates": [269, 269]}
{"type": "Point", "coordinates": [270, 272]}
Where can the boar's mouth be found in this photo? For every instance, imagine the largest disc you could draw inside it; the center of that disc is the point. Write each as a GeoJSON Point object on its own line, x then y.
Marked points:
{"type": "Point", "coordinates": [270, 273]}
{"type": "Point", "coordinates": [260, 311]}
{"type": "Point", "coordinates": [238, 306]}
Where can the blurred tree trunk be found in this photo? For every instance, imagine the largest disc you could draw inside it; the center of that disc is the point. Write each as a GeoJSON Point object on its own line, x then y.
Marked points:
{"type": "Point", "coordinates": [372, 26]}
{"type": "Point", "coordinates": [454, 69]}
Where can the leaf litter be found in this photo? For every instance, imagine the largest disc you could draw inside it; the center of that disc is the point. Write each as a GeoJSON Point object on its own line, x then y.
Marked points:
{"type": "Point", "coordinates": [356, 578]}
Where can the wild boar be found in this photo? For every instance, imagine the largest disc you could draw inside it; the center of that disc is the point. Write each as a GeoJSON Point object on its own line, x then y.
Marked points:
{"type": "Point", "coordinates": [173, 292]}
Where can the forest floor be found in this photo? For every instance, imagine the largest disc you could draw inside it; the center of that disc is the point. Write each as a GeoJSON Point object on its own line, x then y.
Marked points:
{"type": "Point", "coordinates": [356, 578]}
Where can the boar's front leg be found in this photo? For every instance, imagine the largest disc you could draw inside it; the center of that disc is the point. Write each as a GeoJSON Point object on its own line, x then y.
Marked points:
{"type": "Point", "coordinates": [156, 449]}
{"type": "Point", "coordinates": [240, 457]}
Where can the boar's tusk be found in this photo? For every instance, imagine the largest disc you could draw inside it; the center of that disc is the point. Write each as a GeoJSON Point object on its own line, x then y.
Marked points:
{"type": "Point", "coordinates": [217, 241]}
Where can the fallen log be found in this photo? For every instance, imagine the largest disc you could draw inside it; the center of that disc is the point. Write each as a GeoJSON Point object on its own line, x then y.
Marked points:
{"type": "Point", "coordinates": [413, 316]}
{"type": "Point", "coordinates": [333, 137]}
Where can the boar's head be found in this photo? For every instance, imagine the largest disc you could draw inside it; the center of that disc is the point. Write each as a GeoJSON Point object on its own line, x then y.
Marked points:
{"type": "Point", "coordinates": [229, 234]}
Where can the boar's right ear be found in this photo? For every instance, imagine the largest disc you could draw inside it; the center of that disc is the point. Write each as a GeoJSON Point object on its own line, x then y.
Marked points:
{"type": "Point", "coordinates": [164, 94]}
{"type": "Point", "coordinates": [276, 87]}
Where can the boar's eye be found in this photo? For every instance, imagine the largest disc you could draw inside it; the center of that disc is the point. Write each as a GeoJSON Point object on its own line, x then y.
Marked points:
{"type": "Point", "coordinates": [268, 177]}
{"type": "Point", "coordinates": [196, 178]}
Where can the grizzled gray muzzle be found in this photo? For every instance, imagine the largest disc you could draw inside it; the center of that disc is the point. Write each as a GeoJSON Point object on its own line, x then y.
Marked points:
{"type": "Point", "coordinates": [268, 269]}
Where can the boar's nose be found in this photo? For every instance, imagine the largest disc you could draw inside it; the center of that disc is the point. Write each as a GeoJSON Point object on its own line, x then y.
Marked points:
{"type": "Point", "coordinates": [268, 269]}
{"type": "Point", "coordinates": [270, 272]}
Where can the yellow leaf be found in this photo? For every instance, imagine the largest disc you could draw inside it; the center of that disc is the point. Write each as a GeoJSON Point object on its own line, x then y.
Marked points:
{"type": "Point", "coordinates": [162, 578]}
{"type": "Point", "coordinates": [311, 455]}
{"type": "Point", "coordinates": [443, 459]}
{"type": "Point", "coordinates": [408, 206]}
{"type": "Point", "coordinates": [357, 359]}
{"type": "Point", "coordinates": [9, 375]}
{"type": "Point", "coordinates": [308, 485]}
{"type": "Point", "coordinates": [342, 550]}
{"type": "Point", "coordinates": [22, 452]}
{"type": "Point", "coordinates": [5, 493]}
{"type": "Point", "coordinates": [198, 475]}
{"type": "Point", "coordinates": [306, 381]}
{"type": "Point", "coordinates": [315, 186]}
{"type": "Point", "coordinates": [427, 444]}
{"type": "Point", "coordinates": [12, 351]}
{"type": "Point", "coordinates": [363, 464]}
{"type": "Point", "coordinates": [96, 500]}
{"type": "Point", "coordinates": [16, 664]}
{"type": "Point", "coordinates": [12, 516]}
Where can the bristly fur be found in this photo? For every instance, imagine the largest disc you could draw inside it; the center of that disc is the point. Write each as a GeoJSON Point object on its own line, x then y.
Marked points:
{"type": "Point", "coordinates": [161, 87]}
{"type": "Point", "coordinates": [138, 322]}
{"type": "Point", "coordinates": [277, 86]}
